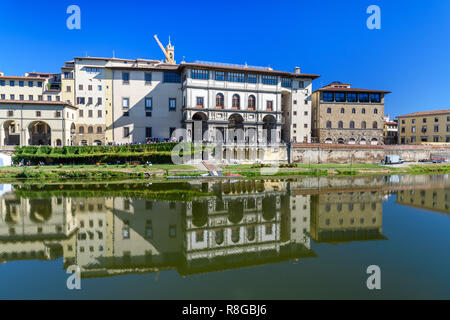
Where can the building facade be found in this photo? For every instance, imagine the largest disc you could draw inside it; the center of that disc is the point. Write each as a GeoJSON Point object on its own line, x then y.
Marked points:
{"type": "Point", "coordinates": [345, 115]}
{"type": "Point", "coordinates": [390, 133]}
{"type": "Point", "coordinates": [122, 101]}
{"type": "Point", "coordinates": [425, 127]}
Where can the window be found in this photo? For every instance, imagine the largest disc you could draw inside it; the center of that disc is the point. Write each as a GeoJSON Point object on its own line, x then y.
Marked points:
{"type": "Point", "coordinates": [375, 98]}
{"type": "Point", "coordinates": [58, 114]}
{"type": "Point", "coordinates": [413, 139]}
{"type": "Point", "coordinates": [39, 84]}
{"type": "Point", "coordinates": [99, 130]}
{"type": "Point", "coordinates": [342, 110]}
{"type": "Point", "coordinates": [286, 83]}
{"type": "Point", "coordinates": [90, 87]}
{"type": "Point", "coordinates": [329, 110]}
{"type": "Point", "coordinates": [424, 139]}
{"type": "Point", "coordinates": [38, 113]}
{"type": "Point", "coordinates": [80, 87]}
{"type": "Point", "coordinates": [352, 125]}
{"type": "Point", "coordinates": [49, 98]}
{"type": "Point", "coordinates": [21, 97]}
{"type": "Point", "coordinates": [125, 103]}
{"type": "Point", "coordinates": [80, 112]}
{"type": "Point", "coordinates": [436, 119]}
{"type": "Point", "coordinates": [12, 83]}
{"type": "Point", "coordinates": [125, 77]}
{"type": "Point", "coordinates": [272, 80]}
{"type": "Point", "coordinates": [375, 125]}
{"type": "Point", "coordinates": [199, 74]}
{"type": "Point", "coordinates": [10, 113]}
{"type": "Point", "coordinates": [236, 104]}
{"type": "Point", "coordinates": [126, 132]}
{"type": "Point", "coordinates": [340, 125]}
{"type": "Point", "coordinates": [21, 83]}
{"type": "Point", "coordinates": [375, 111]}
{"type": "Point", "coordinates": [435, 139]}
{"type": "Point", "coordinates": [363, 97]}
{"type": "Point", "coordinates": [305, 113]}
{"type": "Point", "coordinates": [2, 83]}
{"type": "Point", "coordinates": [328, 96]}
{"type": "Point", "coordinates": [353, 110]}
{"type": "Point", "coordinates": [68, 89]}
{"type": "Point", "coordinates": [340, 97]}
{"type": "Point", "coordinates": [413, 129]}
{"type": "Point", "coordinates": [148, 78]}
{"type": "Point", "coordinates": [80, 100]}
{"type": "Point", "coordinates": [220, 76]}
{"type": "Point", "coordinates": [269, 104]}
{"type": "Point", "coordinates": [413, 121]}
{"type": "Point", "coordinates": [363, 125]}
{"type": "Point", "coordinates": [351, 97]}
{"type": "Point", "coordinates": [235, 77]}
{"type": "Point", "coordinates": [90, 114]}
{"type": "Point", "coordinates": [219, 100]}
{"type": "Point", "coordinates": [30, 97]}
{"type": "Point", "coordinates": [363, 111]}
{"type": "Point", "coordinates": [424, 120]}
{"type": "Point", "coordinates": [126, 113]}
{"type": "Point", "coordinates": [99, 114]}
{"type": "Point", "coordinates": [99, 101]}
{"type": "Point", "coordinates": [171, 77]}
{"type": "Point", "coordinates": [90, 129]}
{"type": "Point", "coordinates": [251, 102]}
{"type": "Point", "coordinates": [89, 101]}
{"type": "Point", "coordinates": [424, 129]}
{"type": "Point", "coordinates": [200, 102]}
{"type": "Point", "coordinates": [148, 103]}
{"type": "Point", "coordinates": [328, 124]}
{"type": "Point", "coordinates": [148, 114]}
{"type": "Point", "coordinates": [436, 128]}
{"type": "Point", "coordinates": [148, 132]}
{"type": "Point", "coordinates": [12, 97]}
{"type": "Point", "coordinates": [172, 104]}
{"type": "Point", "coordinates": [252, 78]}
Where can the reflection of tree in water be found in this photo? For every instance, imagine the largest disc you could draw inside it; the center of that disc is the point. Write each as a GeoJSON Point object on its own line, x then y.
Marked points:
{"type": "Point", "coordinates": [269, 207]}
{"type": "Point", "coordinates": [200, 213]}
{"type": "Point", "coordinates": [40, 210]}
{"type": "Point", "coordinates": [235, 210]}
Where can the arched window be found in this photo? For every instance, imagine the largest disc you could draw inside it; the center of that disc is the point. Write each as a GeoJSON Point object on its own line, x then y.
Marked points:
{"type": "Point", "coordinates": [340, 125]}
{"type": "Point", "coordinates": [353, 110]}
{"type": "Point", "coordinates": [352, 125]}
{"type": "Point", "coordinates": [99, 130]}
{"type": "Point", "coordinates": [342, 110]}
{"type": "Point", "coordinates": [375, 125]}
{"type": "Point", "coordinates": [81, 130]}
{"type": "Point", "coordinates": [251, 102]}
{"type": "Point", "coordinates": [363, 125]}
{"type": "Point", "coordinates": [328, 124]}
{"type": "Point", "coordinates": [236, 102]}
{"type": "Point", "coordinates": [219, 100]}
{"type": "Point", "coordinates": [329, 110]}
{"type": "Point", "coordinates": [375, 111]}
{"type": "Point", "coordinates": [58, 143]}
{"type": "Point", "coordinates": [90, 129]}
{"type": "Point", "coordinates": [363, 111]}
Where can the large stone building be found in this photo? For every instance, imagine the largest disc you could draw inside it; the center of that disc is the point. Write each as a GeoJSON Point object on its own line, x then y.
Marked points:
{"type": "Point", "coordinates": [122, 101]}
{"type": "Point", "coordinates": [390, 133]}
{"type": "Point", "coordinates": [345, 115]}
{"type": "Point", "coordinates": [425, 127]}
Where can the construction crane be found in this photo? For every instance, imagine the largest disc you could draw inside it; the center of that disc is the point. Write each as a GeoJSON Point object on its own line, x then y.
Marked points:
{"type": "Point", "coordinates": [168, 51]}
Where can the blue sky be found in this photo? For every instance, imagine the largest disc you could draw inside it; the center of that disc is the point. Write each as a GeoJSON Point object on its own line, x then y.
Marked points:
{"type": "Point", "coordinates": [408, 56]}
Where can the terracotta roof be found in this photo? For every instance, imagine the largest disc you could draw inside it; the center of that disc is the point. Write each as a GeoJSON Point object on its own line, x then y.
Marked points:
{"type": "Point", "coordinates": [219, 67]}
{"type": "Point", "coordinates": [37, 102]}
{"type": "Point", "coordinates": [22, 78]}
{"type": "Point", "coordinates": [426, 113]}
{"type": "Point", "coordinates": [328, 89]}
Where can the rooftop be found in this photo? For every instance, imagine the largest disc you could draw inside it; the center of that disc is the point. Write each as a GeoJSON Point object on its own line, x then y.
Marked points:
{"type": "Point", "coordinates": [426, 113]}
{"type": "Point", "coordinates": [337, 86]}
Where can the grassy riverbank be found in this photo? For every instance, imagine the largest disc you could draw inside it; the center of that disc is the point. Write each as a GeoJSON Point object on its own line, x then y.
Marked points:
{"type": "Point", "coordinates": [160, 172]}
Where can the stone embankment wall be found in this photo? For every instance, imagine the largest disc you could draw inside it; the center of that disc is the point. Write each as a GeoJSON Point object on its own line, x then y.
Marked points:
{"type": "Point", "coordinates": [345, 154]}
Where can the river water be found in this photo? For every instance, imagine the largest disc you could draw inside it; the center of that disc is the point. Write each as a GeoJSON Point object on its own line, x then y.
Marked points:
{"type": "Point", "coordinates": [305, 238]}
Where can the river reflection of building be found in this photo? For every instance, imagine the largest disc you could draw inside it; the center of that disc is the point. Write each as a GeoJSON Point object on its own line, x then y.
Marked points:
{"type": "Point", "coordinates": [34, 228]}
{"type": "Point", "coordinates": [245, 223]}
{"type": "Point", "coordinates": [437, 200]}
{"type": "Point", "coordinates": [344, 217]}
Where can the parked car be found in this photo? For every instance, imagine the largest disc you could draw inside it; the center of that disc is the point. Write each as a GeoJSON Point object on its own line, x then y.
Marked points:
{"type": "Point", "coordinates": [392, 159]}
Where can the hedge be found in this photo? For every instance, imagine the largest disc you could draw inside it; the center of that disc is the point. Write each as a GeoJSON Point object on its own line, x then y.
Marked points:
{"type": "Point", "coordinates": [109, 158]}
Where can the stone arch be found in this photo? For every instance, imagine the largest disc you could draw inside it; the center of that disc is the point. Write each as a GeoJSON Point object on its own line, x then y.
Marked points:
{"type": "Point", "coordinates": [199, 131]}
{"type": "Point", "coordinates": [340, 141]}
{"type": "Point", "coordinates": [12, 133]}
{"type": "Point", "coordinates": [269, 125]}
{"type": "Point", "coordinates": [40, 133]}
{"type": "Point", "coordinates": [236, 128]}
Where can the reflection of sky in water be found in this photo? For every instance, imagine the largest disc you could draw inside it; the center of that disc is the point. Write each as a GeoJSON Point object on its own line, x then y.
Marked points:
{"type": "Point", "coordinates": [413, 257]}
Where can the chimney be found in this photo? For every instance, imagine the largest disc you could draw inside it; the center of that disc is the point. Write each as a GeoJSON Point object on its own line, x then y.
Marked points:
{"type": "Point", "coordinates": [297, 70]}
